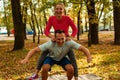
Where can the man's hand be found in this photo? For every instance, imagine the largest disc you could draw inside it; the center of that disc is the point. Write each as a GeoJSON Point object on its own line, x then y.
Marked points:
{"type": "Point", "coordinates": [53, 39]}
{"type": "Point", "coordinates": [89, 59]}
{"type": "Point", "coordinates": [24, 61]}
{"type": "Point", "coordinates": [68, 38]}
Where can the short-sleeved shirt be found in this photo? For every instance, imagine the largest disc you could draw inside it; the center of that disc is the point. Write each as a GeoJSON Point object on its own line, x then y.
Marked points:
{"type": "Point", "coordinates": [56, 52]}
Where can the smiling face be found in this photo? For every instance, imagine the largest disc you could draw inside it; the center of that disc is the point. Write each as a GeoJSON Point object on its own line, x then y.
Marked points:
{"type": "Point", "coordinates": [60, 37]}
{"type": "Point", "coordinates": [59, 9]}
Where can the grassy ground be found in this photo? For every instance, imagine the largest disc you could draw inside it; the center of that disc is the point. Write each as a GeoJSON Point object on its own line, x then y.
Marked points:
{"type": "Point", "coordinates": [106, 59]}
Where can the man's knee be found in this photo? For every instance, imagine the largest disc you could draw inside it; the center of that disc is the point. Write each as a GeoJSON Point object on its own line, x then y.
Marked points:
{"type": "Point", "coordinates": [69, 68]}
{"type": "Point", "coordinates": [46, 67]}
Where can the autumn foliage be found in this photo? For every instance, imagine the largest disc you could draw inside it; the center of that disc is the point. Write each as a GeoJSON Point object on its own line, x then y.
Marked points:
{"type": "Point", "coordinates": [106, 59]}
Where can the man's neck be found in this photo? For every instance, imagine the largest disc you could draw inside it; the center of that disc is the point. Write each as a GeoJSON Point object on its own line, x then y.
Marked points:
{"type": "Point", "coordinates": [60, 45]}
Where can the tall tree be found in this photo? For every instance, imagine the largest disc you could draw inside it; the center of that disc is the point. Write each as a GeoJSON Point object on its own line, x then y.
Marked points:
{"type": "Point", "coordinates": [93, 23]}
{"type": "Point", "coordinates": [18, 25]}
{"type": "Point", "coordinates": [24, 16]}
{"type": "Point", "coordinates": [32, 19]}
{"type": "Point", "coordinates": [116, 13]}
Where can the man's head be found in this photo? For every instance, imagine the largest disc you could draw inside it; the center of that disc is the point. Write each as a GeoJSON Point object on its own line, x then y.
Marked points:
{"type": "Point", "coordinates": [60, 37]}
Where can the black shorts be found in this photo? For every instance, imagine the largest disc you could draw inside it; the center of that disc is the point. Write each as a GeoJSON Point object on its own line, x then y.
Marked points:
{"type": "Point", "coordinates": [64, 61]}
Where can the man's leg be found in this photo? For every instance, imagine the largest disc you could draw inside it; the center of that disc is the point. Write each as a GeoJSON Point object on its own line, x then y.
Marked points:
{"type": "Point", "coordinates": [45, 69]}
{"type": "Point", "coordinates": [41, 60]}
{"type": "Point", "coordinates": [66, 64]}
{"type": "Point", "coordinates": [40, 63]}
{"type": "Point", "coordinates": [48, 62]}
{"type": "Point", "coordinates": [70, 71]}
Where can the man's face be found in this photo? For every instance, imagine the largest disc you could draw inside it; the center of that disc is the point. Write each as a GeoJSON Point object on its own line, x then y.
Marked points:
{"type": "Point", "coordinates": [60, 38]}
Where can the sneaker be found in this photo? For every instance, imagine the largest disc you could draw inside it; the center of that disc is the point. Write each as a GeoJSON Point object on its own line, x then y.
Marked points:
{"type": "Point", "coordinates": [34, 76]}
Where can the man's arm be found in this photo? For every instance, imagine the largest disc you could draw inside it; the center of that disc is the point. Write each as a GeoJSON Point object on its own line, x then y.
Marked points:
{"type": "Point", "coordinates": [30, 53]}
{"type": "Point", "coordinates": [86, 52]}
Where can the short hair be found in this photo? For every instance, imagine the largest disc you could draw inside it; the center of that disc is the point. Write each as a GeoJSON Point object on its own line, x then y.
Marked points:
{"type": "Point", "coordinates": [59, 31]}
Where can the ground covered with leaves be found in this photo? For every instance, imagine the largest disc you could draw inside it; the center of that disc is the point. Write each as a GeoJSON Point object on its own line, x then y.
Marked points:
{"type": "Point", "coordinates": [106, 59]}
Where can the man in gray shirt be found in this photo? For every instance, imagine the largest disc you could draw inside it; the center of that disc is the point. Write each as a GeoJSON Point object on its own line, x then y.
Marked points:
{"type": "Point", "coordinates": [57, 55]}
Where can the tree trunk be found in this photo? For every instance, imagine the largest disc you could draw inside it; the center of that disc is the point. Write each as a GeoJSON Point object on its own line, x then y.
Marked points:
{"type": "Point", "coordinates": [86, 26]}
{"type": "Point", "coordinates": [32, 21]}
{"type": "Point", "coordinates": [40, 27]}
{"type": "Point", "coordinates": [79, 22]}
{"type": "Point", "coordinates": [18, 25]}
{"type": "Point", "coordinates": [78, 25]}
{"type": "Point", "coordinates": [24, 17]}
{"type": "Point", "coordinates": [45, 17]}
{"type": "Point", "coordinates": [93, 22]}
{"type": "Point", "coordinates": [37, 24]}
{"type": "Point", "coordinates": [116, 13]}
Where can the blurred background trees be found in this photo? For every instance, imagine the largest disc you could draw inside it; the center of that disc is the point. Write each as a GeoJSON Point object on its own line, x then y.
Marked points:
{"type": "Point", "coordinates": [90, 16]}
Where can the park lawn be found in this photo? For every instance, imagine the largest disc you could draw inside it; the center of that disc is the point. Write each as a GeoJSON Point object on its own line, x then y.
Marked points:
{"type": "Point", "coordinates": [106, 59]}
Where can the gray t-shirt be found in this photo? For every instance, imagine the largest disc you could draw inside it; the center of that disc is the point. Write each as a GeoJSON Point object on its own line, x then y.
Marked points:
{"type": "Point", "coordinates": [56, 52]}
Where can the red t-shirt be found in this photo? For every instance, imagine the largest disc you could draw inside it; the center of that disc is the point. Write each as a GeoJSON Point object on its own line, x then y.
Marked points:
{"type": "Point", "coordinates": [63, 24]}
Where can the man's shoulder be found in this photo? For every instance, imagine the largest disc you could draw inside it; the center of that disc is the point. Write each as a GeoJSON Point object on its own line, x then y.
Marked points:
{"type": "Point", "coordinates": [48, 44]}
{"type": "Point", "coordinates": [71, 42]}
{"type": "Point", "coordinates": [50, 41]}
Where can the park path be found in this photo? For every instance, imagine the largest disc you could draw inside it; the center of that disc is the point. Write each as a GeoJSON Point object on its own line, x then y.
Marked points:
{"type": "Point", "coordinates": [5, 37]}
{"type": "Point", "coordinates": [80, 77]}
{"type": "Point", "coordinates": [11, 37]}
